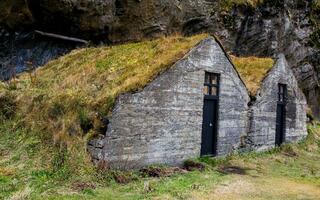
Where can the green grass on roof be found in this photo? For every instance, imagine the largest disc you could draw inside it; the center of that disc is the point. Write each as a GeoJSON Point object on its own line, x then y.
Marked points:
{"type": "Point", "coordinates": [68, 92]}
{"type": "Point", "coordinates": [252, 70]}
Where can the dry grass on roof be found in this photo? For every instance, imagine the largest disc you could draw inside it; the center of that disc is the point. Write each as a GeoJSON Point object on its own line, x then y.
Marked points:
{"type": "Point", "coordinates": [65, 95]}
{"type": "Point", "coordinates": [252, 70]}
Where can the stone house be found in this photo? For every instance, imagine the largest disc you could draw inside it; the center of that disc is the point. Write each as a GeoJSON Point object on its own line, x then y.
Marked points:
{"type": "Point", "coordinates": [278, 114]}
{"type": "Point", "coordinates": [200, 106]}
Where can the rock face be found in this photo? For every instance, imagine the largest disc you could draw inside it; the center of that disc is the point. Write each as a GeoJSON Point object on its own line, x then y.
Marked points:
{"type": "Point", "coordinates": [284, 28]}
{"type": "Point", "coordinates": [262, 129]}
{"type": "Point", "coordinates": [85, 18]}
{"type": "Point", "coordinates": [19, 48]}
{"type": "Point", "coordinates": [163, 123]}
{"type": "Point", "coordinates": [272, 27]}
{"type": "Point", "coordinates": [15, 14]}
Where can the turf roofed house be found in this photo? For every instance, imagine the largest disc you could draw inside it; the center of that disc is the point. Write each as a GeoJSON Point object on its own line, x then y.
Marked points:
{"type": "Point", "coordinates": [197, 107]}
{"type": "Point", "coordinates": [278, 114]}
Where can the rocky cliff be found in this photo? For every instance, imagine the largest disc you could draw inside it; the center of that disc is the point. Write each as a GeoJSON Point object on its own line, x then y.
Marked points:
{"type": "Point", "coordinates": [261, 28]}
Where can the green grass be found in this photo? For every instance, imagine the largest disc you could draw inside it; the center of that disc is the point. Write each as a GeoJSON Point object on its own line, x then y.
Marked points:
{"type": "Point", "coordinates": [32, 169]}
{"type": "Point", "coordinates": [252, 70]}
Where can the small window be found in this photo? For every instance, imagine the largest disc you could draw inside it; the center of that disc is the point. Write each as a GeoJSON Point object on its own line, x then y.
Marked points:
{"type": "Point", "coordinates": [282, 93]}
{"type": "Point", "coordinates": [211, 84]}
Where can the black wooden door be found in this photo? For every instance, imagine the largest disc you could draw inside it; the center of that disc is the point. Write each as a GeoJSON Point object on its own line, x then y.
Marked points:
{"type": "Point", "coordinates": [281, 114]}
{"type": "Point", "coordinates": [280, 124]}
{"type": "Point", "coordinates": [209, 127]}
{"type": "Point", "coordinates": [210, 115]}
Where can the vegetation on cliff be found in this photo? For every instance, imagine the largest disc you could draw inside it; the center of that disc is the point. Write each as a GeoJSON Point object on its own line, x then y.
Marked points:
{"type": "Point", "coordinates": [315, 20]}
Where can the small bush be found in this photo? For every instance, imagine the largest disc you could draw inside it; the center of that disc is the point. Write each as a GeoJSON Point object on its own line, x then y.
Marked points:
{"type": "Point", "coordinates": [8, 106]}
{"type": "Point", "coordinates": [227, 5]}
{"type": "Point", "coordinates": [191, 165]}
{"type": "Point", "coordinates": [123, 177]}
{"type": "Point", "coordinates": [86, 123]}
{"type": "Point", "coordinates": [274, 3]}
{"type": "Point", "coordinates": [288, 150]}
{"type": "Point", "coordinates": [60, 165]}
{"type": "Point", "coordinates": [160, 171]}
{"type": "Point", "coordinates": [315, 38]}
{"type": "Point", "coordinates": [57, 109]}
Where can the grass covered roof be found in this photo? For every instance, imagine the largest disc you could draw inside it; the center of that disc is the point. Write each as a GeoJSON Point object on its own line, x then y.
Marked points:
{"type": "Point", "coordinates": [67, 93]}
{"type": "Point", "coordinates": [71, 93]}
{"type": "Point", "coordinates": [252, 70]}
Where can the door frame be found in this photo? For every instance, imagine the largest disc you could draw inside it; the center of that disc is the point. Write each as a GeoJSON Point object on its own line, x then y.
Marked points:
{"type": "Point", "coordinates": [282, 97]}
{"type": "Point", "coordinates": [216, 127]}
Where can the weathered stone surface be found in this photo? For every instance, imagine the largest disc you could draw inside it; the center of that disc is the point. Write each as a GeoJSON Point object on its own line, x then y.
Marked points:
{"type": "Point", "coordinates": [263, 112]}
{"type": "Point", "coordinates": [163, 123]}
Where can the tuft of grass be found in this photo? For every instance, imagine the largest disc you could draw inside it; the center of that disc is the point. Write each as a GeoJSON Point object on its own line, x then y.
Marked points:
{"type": "Point", "coordinates": [227, 5]}
{"type": "Point", "coordinates": [8, 106]}
{"type": "Point", "coordinates": [252, 70]}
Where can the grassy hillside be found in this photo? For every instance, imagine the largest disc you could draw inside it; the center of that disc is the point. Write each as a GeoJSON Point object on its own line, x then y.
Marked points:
{"type": "Point", "coordinates": [47, 116]}
{"type": "Point", "coordinates": [31, 169]}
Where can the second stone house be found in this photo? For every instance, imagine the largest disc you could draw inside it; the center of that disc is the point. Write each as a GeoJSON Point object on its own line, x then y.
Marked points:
{"type": "Point", "coordinates": [278, 114]}
{"type": "Point", "coordinates": [200, 107]}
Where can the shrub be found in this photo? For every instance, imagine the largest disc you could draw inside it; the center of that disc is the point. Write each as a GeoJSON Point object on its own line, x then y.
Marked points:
{"type": "Point", "coordinates": [57, 110]}
{"type": "Point", "coordinates": [8, 105]}
{"type": "Point", "coordinates": [191, 165]}
{"type": "Point", "coordinates": [315, 38]}
{"type": "Point", "coordinates": [86, 123]}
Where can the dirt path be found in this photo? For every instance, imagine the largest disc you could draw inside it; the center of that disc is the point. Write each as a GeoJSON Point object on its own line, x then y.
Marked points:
{"type": "Point", "coordinates": [247, 187]}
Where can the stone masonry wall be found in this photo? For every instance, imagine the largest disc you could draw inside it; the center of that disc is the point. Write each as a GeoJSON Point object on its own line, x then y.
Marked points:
{"type": "Point", "coordinates": [263, 112]}
{"type": "Point", "coordinates": [163, 123]}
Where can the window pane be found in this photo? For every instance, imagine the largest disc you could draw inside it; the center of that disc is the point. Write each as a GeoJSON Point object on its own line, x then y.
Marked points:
{"type": "Point", "coordinates": [214, 79]}
{"type": "Point", "coordinates": [207, 78]}
{"type": "Point", "coordinates": [280, 97]}
{"type": "Point", "coordinates": [206, 90]}
{"type": "Point", "coordinates": [214, 91]}
{"type": "Point", "coordinates": [281, 89]}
